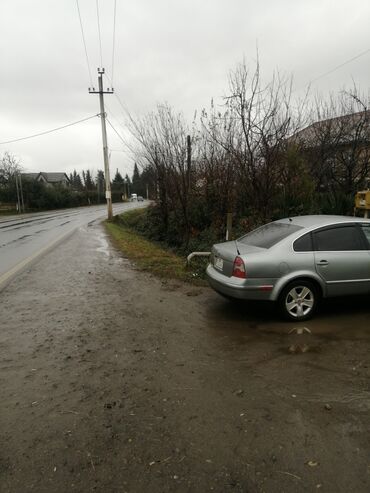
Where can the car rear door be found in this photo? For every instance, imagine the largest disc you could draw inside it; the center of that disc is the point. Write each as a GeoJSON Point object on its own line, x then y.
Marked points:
{"type": "Point", "coordinates": [342, 259]}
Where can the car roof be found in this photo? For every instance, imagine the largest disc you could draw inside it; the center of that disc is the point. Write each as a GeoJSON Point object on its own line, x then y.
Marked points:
{"type": "Point", "coordinates": [321, 220]}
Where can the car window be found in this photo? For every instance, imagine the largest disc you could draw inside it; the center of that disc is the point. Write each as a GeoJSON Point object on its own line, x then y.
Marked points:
{"type": "Point", "coordinates": [366, 230]}
{"type": "Point", "coordinates": [303, 244]}
{"type": "Point", "coordinates": [338, 239]}
{"type": "Point", "coordinates": [268, 235]}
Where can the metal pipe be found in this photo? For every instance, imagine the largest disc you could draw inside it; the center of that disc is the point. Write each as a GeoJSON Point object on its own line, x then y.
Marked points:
{"type": "Point", "coordinates": [196, 254]}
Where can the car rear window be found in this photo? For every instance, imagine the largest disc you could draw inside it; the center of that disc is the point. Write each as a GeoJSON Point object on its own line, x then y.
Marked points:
{"type": "Point", "coordinates": [268, 235]}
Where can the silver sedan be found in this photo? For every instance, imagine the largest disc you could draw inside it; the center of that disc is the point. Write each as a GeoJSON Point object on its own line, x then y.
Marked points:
{"type": "Point", "coordinates": [295, 262]}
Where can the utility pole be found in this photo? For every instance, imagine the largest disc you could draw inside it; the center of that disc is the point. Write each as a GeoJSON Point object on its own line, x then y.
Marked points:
{"type": "Point", "coordinates": [108, 193]}
{"type": "Point", "coordinates": [17, 188]}
{"type": "Point", "coordinates": [188, 141]}
{"type": "Point", "coordinates": [21, 190]}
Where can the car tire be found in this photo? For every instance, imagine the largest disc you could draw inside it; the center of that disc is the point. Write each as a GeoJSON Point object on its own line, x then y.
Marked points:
{"type": "Point", "coordinates": [298, 300]}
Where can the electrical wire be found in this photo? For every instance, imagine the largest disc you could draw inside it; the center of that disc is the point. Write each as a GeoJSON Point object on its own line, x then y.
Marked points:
{"type": "Point", "coordinates": [120, 137]}
{"type": "Point", "coordinates": [114, 37]}
{"type": "Point", "coordinates": [129, 147]}
{"type": "Point", "coordinates": [113, 116]}
{"type": "Point", "coordinates": [341, 65]}
{"type": "Point", "coordinates": [98, 17]}
{"type": "Point", "coordinates": [84, 42]}
{"type": "Point", "coordinates": [50, 131]}
{"type": "Point", "coordinates": [336, 68]}
{"type": "Point", "coordinates": [125, 111]}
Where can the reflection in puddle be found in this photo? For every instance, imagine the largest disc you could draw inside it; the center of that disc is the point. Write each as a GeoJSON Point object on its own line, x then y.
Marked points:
{"type": "Point", "coordinates": [104, 248]}
{"type": "Point", "coordinates": [243, 321]}
{"type": "Point", "coordinates": [114, 258]}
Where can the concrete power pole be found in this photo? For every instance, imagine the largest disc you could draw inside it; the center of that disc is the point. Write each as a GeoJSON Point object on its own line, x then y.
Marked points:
{"type": "Point", "coordinates": [108, 193]}
{"type": "Point", "coordinates": [21, 190]}
{"type": "Point", "coordinates": [18, 199]}
{"type": "Point", "coordinates": [188, 141]}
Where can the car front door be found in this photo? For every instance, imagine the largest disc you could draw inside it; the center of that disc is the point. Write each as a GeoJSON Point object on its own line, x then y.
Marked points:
{"type": "Point", "coordinates": [342, 259]}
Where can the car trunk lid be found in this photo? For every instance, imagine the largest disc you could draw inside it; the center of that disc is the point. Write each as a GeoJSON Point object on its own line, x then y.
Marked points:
{"type": "Point", "coordinates": [224, 254]}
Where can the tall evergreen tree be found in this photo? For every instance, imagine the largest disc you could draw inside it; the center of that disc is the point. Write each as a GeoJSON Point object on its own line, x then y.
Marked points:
{"type": "Point", "coordinates": [88, 182]}
{"type": "Point", "coordinates": [100, 184]}
{"type": "Point", "coordinates": [128, 185]}
{"type": "Point", "coordinates": [136, 180]}
{"type": "Point", "coordinates": [148, 182]}
{"type": "Point", "coordinates": [76, 181]}
{"type": "Point", "coordinates": [118, 181]}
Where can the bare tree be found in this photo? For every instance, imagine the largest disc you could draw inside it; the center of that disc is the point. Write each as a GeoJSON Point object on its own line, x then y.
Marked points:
{"type": "Point", "coordinates": [162, 138]}
{"type": "Point", "coordinates": [253, 132]}
{"type": "Point", "coordinates": [9, 167]}
{"type": "Point", "coordinates": [261, 155]}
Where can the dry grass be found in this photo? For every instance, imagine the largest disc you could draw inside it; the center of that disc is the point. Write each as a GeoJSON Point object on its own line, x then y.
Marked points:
{"type": "Point", "coordinates": [151, 257]}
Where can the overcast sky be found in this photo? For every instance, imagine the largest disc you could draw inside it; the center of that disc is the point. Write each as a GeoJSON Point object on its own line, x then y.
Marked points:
{"type": "Point", "coordinates": [165, 50]}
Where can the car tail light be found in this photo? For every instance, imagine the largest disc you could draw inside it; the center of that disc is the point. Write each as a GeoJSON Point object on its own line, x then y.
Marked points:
{"type": "Point", "coordinates": [239, 268]}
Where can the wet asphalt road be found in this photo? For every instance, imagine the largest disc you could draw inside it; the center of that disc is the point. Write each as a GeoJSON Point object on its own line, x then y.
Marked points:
{"type": "Point", "coordinates": [23, 238]}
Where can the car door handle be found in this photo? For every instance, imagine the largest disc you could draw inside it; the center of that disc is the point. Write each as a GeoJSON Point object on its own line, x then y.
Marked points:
{"type": "Point", "coordinates": [323, 262]}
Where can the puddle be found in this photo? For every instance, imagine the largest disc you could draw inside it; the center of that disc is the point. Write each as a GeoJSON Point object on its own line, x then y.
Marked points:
{"type": "Point", "coordinates": [104, 246]}
{"type": "Point", "coordinates": [336, 319]}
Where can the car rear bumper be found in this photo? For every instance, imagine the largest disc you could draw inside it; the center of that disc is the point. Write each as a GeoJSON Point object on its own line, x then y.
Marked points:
{"type": "Point", "coordinates": [245, 289]}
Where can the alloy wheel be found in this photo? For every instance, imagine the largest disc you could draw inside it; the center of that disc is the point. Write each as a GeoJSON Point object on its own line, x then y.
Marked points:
{"type": "Point", "coordinates": [299, 302]}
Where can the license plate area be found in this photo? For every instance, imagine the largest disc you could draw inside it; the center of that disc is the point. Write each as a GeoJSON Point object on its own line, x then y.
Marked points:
{"type": "Point", "coordinates": [218, 263]}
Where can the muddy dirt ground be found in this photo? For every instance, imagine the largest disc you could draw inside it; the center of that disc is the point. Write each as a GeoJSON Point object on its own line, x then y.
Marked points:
{"type": "Point", "coordinates": [114, 381]}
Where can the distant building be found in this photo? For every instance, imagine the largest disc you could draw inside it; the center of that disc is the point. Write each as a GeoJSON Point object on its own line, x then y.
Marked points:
{"type": "Point", "coordinates": [50, 179]}
{"type": "Point", "coordinates": [337, 151]}
{"type": "Point", "coordinates": [339, 132]}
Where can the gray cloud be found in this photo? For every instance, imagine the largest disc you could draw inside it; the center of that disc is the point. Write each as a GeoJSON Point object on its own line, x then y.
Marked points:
{"type": "Point", "coordinates": [167, 50]}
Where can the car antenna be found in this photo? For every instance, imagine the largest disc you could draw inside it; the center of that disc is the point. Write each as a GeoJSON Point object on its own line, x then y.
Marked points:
{"type": "Point", "coordinates": [237, 249]}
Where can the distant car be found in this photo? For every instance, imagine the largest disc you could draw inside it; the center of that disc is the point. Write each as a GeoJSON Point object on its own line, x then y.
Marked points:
{"type": "Point", "coordinates": [140, 198]}
{"type": "Point", "coordinates": [133, 197]}
{"type": "Point", "coordinates": [295, 262]}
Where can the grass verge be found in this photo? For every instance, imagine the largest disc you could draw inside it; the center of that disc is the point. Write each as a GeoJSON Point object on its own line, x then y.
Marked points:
{"type": "Point", "coordinates": [151, 257]}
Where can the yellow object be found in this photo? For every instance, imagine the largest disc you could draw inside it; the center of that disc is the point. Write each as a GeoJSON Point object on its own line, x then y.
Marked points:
{"type": "Point", "coordinates": [362, 200]}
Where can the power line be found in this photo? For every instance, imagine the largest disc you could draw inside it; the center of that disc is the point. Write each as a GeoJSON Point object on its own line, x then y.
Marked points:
{"type": "Point", "coordinates": [84, 41]}
{"type": "Point", "coordinates": [120, 137]}
{"type": "Point", "coordinates": [114, 117]}
{"type": "Point", "coordinates": [50, 131]}
{"type": "Point", "coordinates": [117, 124]}
{"type": "Point", "coordinates": [125, 110]}
{"type": "Point", "coordinates": [336, 68]}
{"type": "Point", "coordinates": [114, 37]}
{"type": "Point", "coordinates": [128, 146]}
{"type": "Point", "coordinates": [98, 17]}
{"type": "Point", "coordinates": [341, 65]}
